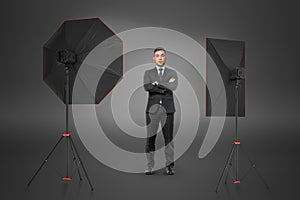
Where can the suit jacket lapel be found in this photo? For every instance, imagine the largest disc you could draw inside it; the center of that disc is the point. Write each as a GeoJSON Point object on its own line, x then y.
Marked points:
{"type": "Point", "coordinates": [154, 73]}
{"type": "Point", "coordinates": [165, 73]}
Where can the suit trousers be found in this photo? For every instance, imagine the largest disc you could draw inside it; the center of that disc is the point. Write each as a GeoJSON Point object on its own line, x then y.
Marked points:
{"type": "Point", "coordinates": [166, 120]}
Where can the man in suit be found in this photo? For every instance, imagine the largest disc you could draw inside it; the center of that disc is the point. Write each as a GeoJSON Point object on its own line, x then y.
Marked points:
{"type": "Point", "coordinates": [160, 82]}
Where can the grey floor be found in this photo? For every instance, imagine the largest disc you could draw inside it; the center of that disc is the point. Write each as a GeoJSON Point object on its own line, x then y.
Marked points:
{"type": "Point", "coordinates": [276, 158]}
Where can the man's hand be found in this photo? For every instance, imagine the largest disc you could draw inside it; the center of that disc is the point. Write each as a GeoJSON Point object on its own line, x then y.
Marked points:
{"type": "Point", "coordinates": [155, 83]}
{"type": "Point", "coordinates": [172, 80]}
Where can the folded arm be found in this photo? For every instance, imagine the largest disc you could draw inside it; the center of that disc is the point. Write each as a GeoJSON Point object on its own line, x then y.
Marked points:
{"type": "Point", "coordinates": [170, 84]}
{"type": "Point", "coordinates": [150, 87]}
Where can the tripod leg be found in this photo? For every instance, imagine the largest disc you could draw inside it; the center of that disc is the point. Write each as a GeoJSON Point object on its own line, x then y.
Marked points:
{"type": "Point", "coordinates": [260, 176]}
{"type": "Point", "coordinates": [256, 170]}
{"type": "Point", "coordinates": [46, 159]}
{"type": "Point", "coordinates": [225, 168]}
{"type": "Point", "coordinates": [68, 159]}
{"type": "Point", "coordinates": [84, 170]}
{"type": "Point", "coordinates": [236, 180]}
{"type": "Point", "coordinates": [75, 161]}
{"type": "Point", "coordinates": [228, 167]}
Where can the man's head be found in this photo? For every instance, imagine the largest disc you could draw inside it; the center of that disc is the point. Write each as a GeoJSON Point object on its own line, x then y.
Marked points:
{"type": "Point", "coordinates": [159, 56]}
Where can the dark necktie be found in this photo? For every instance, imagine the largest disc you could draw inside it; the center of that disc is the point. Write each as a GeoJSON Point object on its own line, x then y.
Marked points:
{"type": "Point", "coordinates": [160, 74]}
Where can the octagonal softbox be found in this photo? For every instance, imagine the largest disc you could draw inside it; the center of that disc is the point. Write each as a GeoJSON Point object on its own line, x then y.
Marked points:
{"type": "Point", "coordinates": [80, 37]}
{"type": "Point", "coordinates": [228, 56]}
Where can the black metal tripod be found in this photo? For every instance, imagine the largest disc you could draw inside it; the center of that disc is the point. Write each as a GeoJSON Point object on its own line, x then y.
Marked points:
{"type": "Point", "coordinates": [236, 147]}
{"type": "Point", "coordinates": [69, 141]}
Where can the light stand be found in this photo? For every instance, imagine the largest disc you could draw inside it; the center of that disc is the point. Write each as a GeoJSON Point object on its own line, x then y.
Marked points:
{"type": "Point", "coordinates": [237, 76]}
{"type": "Point", "coordinates": [67, 58]}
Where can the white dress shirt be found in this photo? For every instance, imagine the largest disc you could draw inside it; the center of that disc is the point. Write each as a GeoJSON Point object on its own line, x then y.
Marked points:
{"type": "Point", "coordinates": [157, 68]}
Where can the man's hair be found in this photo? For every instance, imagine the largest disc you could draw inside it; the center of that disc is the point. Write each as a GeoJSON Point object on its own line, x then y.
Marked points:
{"type": "Point", "coordinates": [159, 49]}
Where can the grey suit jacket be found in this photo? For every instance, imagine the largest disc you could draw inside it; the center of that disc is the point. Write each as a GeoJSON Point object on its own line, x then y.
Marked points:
{"type": "Point", "coordinates": [162, 94]}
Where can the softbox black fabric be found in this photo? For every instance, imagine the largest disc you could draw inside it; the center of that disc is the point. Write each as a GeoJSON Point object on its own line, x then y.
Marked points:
{"type": "Point", "coordinates": [81, 37]}
{"type": "Point", "coordinates": [226, 55]}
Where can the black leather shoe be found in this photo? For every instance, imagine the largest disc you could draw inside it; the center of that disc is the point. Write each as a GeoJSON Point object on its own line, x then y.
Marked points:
{"type": "Point", "coordinates": [149, 171]}
{"type": "Point", "coordinates": [170, 170]}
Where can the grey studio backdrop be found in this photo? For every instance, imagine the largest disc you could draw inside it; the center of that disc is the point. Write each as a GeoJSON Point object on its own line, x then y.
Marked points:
{"type": "Point", "coordinates": [32, 117]}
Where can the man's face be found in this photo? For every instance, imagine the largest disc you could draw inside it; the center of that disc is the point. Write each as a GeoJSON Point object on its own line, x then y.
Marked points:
{"type": "Point", "coordinates": [160, 58]}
